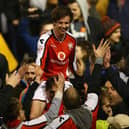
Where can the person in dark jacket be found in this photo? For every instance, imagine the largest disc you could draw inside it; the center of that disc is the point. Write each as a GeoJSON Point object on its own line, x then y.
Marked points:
{"type": "Point", "coordinates": [90, 74]}
{"type": "Point", "coordinates": [118, 10]}
{"type": "Point", "coordinates": [8, 91]}
{"type": "Point", "coordinates": [4, 69]}
{"type": "Point", "coordinates": [30, 41]}
{"type": "Point", "coordinates": [14, 115]}
{"type": "Point", "coordinates": [9, 82]}
{"type": "Point", "coordinates": [116, 84]}
{"type": "Point", "coordinates": [83, 25]}
{"type": "Point", "coordinates": [9, 21]}
{"type": "Point", "coordinates": [11, 12]}
{"type": "Point", "coordinates": [112, 32]}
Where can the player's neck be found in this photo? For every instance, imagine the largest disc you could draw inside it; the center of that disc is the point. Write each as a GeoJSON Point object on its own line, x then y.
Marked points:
{"type": "Point", "coordinates": [59, 37]}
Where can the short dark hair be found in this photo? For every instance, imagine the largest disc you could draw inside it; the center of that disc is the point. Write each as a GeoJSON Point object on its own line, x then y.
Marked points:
{"type": "Point", "coordinates": [60, 12]}
{"type": "Point", "coordinates": [71, 99]}
{"type": "Point", "coordinates": [28, 59]}
{"type": "Point", "coordinates": [50, 82]}
{"type": "Point", "coordinates": [86, 46]}
{"type": "Point", "coordinates": [13, 109]}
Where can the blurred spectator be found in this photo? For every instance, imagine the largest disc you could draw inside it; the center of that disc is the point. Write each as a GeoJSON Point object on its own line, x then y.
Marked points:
{"type": "Point", "coordinates": [33, 23]}
{"type": "Point", "coordinates": [7, 91]}
{"type": "Point", "coordinates": [105, 109]}
{"type": "Point", "coordinates": [112, 74]}
{"type": "Point", "coordinates": [83, 25]}
{"type": "Point", "coordinates": [40, 4]}
{"type": "Point", "coordinates": [93, 12]}
{"type": "Point", "coordinates": [4, 69]}
{"type": "Point", "coordinates": [11, 12]}
{"type": "Point", "coordinates": [9, 21]}
{"type": "Point", "coordinates": [112, 32]}
{"type": "Point", "coordinates": [87, 79]}
{"type": "Point", "coordinates": [118, 10]}
{"type": "Point", "coordinates": [51, 4]}
{"type": "Point", "coordinates": [117, 103]}
{"type": "Point", "coordinates": [123, 67]}
{"type": "Point", "coordinates": [63, 2]}
{"type": "Point", "coordinates": [101, 7]}
{"type": "Point", "coordinates": [28, 77]}
{"type": "Point", "coordinates": [28, 84]}
{"type": "Point", "coordinates": [29, 40]}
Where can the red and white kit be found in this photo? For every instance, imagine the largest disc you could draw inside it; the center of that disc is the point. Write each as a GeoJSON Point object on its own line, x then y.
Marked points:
{"type": "Point", "coordinates": [56, 56]}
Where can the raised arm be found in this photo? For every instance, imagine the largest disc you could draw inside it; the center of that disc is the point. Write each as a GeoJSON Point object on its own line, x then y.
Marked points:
{"type": "Point", "coordinates": [53, 110]}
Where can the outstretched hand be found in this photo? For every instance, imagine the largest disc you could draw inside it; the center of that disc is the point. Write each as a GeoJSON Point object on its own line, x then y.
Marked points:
{"type": "Point", "coordinates": [107, 58]}
{"type": "Point", "coordinates": [80, 67]}
{"type": "Point", "coordinates": [22, 70]}
{"type": "Point", "coordinates": [101, 49]}
{"type": "Point", "coordinates": [38, 73]}
{"type": "Point", "coordinates": [13, 79]}
{"type": "Point", "coordinates": [59, 82]}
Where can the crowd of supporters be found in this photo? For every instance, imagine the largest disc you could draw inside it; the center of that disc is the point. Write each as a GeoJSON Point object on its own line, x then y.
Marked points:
{"type": "Point", "coordinates": [73, 64]}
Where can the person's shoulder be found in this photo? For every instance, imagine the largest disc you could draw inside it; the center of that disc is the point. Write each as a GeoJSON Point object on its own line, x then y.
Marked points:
{"type": "Point", "coordinates": [46, 34]}
{"type": "Point", "coordinates": [70, 36]}
{"type": "Point", "coordinates": [62, 118]}
{"type": "Point", "coordinates": [44, 37]}
{"type": "Point", "coordinates": [35, 122]}
{"type": "Point", "coordinates": [59, 121]}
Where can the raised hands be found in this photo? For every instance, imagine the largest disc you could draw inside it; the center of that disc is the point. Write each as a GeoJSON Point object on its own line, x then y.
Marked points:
{"type": "Point", "coordinates": [101, 49]}
{"type": "Point", "coordinates": [107, 58]}
{"type": "Point", "coordinates": [59, 82]}
{"type": "Point", "coordinates": [13, 79]}
{"type": "Point", "coordinates": [80, 67]}
{"type": "Point", "coordinates": [22, 70]}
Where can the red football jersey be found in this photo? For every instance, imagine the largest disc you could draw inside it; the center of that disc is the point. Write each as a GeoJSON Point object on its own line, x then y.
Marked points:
{"type": "Point", "coordinates": [56, 56]}
{"type": "Point", "coordinates": [62, 122]}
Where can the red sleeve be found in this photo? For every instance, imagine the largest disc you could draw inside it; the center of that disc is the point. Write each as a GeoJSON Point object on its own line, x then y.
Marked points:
{"type": "Point", "coordinates": [35, 123]}
{"type": "Point", "coordinates": [69, 124]}
{"type": "Point", "coordinates": [44, 56]}
{"type": "Point", "coordinates": [33, 126]}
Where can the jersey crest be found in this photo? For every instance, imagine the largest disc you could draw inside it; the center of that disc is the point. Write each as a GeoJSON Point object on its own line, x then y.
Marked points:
{"type": "Point", "coordinates": [61, 55]}
{"type": "Point", "coordinates": [70, 46]}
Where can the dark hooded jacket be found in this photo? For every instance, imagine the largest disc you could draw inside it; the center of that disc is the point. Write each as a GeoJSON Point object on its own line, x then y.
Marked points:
{"type": "Point", "coordinates": [3, 69]}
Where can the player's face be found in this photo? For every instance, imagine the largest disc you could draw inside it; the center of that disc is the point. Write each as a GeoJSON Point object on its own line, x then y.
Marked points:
{"type": "Point", "coordinates": [62, 25]}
